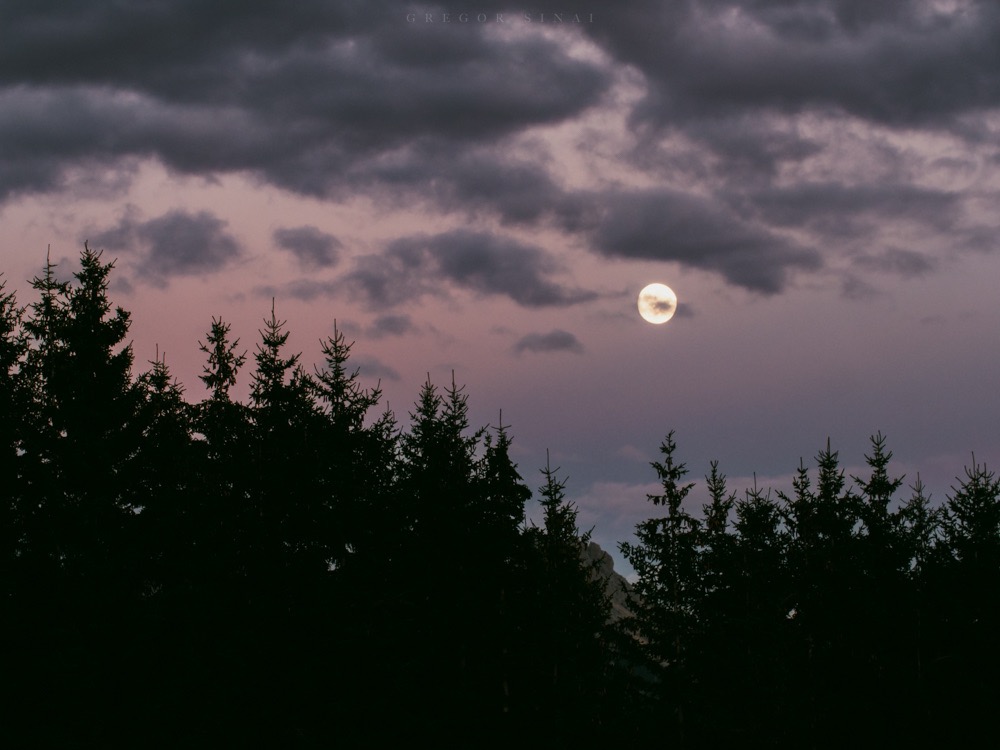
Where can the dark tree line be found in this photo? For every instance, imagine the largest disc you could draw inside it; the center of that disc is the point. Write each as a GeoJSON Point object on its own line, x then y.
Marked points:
{"type": "Point", "coordinates": [294, 570]}
{"type": "Point", "coordinates": [301, 570]}
{"type": "Point", "coordinates": [836, 615]}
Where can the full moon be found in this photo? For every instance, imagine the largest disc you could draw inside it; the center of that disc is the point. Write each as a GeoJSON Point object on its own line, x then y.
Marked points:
{"type": "Point", "coordinates": [657, 303]}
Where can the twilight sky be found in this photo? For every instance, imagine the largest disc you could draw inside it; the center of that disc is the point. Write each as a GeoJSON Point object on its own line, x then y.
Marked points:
{"type": "Point", "coordinates": [485, 187]}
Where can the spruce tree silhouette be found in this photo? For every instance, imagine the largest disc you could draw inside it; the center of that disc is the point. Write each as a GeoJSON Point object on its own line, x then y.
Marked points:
{"type": "Point", "coordinates": [17, 646]}
{"type": "Point", "coordinates": [822, 558]}
{"type": "Point", "coordinates": [457, 524]}
{"type": "Point", "coordinates": [737, 643]}
{"type": "Point", "coordinates": [362, 532]}
{"type": "Point", "coordinates": [669, 585]}
{"type": "Point", "coordinates": [500, 501]}
{"type": "Point", "coordinates": [223, 460]}
{"type": "Point", "coordinates": [295, 571]}
{"type": "Point", "coordinates": [352, 452]}
{"type": "Point", "coordinates": [76, 578]}
{"type": "Point", "coordinates": [437, 474]}
{"type": "Point", "coordinates": [920, 540]}
{"type": "Point", "coordinates": [883, 597]}
{"type": "Point", "coordinates": [160, 474]}
{"type": "Point", "coordinates": [13, 346]}
{"type": "Point", "coordinates": [761, 639]}
{"type": "Point", "coordinates": [970, 593]}
{"type": "Point", "coordinates": [87, 402]}
{"type": "Point", "coordinates": [565, 657]}
{"type": "Point", "coordinates": [41, 468]}
{"type": "Point", "coordinates": [165, 540]}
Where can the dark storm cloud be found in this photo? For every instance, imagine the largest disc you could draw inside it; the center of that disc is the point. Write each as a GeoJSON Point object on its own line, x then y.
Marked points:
{"type": "Point", "coordinates": [496, 265]}
{"type": "Point", "coordinates": [899, 63]}
{"type": "Point", "coordinates": [672, 226]}
{"type": "Point", "coordinates": [553, 341]}
{"type": "Point", "coordinates": [336, 100]}
{"type": "Point", "coordinates": [175, 244]}
{"type": "Point", "coordinates": [479, 262]}
{"type": "Point", "coordinates": [313, 248]}
{"type": "Point", "coordinates": [746, 149]}
{"type": "Point", "coordinates": [50, 132]}
{"type": "Point", "coordinates": [485, 180]}
{"type": "Point", "coordinates": [305, 103]}
{"type": "Point", "coordinates": [745, 82]}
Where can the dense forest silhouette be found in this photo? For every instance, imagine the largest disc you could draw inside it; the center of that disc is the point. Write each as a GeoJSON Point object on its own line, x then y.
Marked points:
{"type": "Point", "coordinates": [300, 570]}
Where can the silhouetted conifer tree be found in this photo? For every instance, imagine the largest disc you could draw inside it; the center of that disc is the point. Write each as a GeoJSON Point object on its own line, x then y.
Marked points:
{"type": "Point", "coordinates": [972, 521]}
{"type": "Point", "coordinates": [918, 536]}
{"type": "Point", "coordinates": [762, 642]}
{"type": "Point", "coordinates": [456, 523]}
{"type": "Point", "coordinates": [223, 469]}
{"type": "Point", "coordinates": [286, 500]}
{"type": "Point", "coordinates": [295, 561]}
{"type": "Point", "coordinates": [565, 654]}
{"type": "Point", "coordinates": [83, 407]}
{"type": "Point", "coordinates": [362, 535]}
{"type": "Point", "coordinates": [969, 655]}
{"type": "Point", "coordinates": [13, 503]}
{"type": "Point", "coordinates": [287, 557]}
{"type": "Point", "coordinates": [41, 470]}
{"type": "Point", "coordinates": [356, 459]}
{"type": "Point", "coordinates": [920, 526]}
{"type": "Point", "coordinates": [669, 585]}
{"type": "Point", "coordinates": [76, 577]}
{"type": "Point", "coordinates": [13, 346]}
{"type": "Point", "coordinates": [882, 599]}
{"type": "Point", "coordinates": [503, 494]}
{"type": "Point", "coordinates": [169, 534]}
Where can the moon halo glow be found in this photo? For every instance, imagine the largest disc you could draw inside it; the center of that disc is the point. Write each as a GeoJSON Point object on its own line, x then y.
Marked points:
{"type": "Point", "coordinates": [657, 303]}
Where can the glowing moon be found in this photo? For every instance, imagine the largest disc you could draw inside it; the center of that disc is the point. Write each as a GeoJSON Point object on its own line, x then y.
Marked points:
{"type": "Point", "coordinates": [657, 303]}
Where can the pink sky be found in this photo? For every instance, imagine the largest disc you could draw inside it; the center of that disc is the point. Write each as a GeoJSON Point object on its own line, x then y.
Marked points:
{"type": "Point", "coordinates": [817, 182]}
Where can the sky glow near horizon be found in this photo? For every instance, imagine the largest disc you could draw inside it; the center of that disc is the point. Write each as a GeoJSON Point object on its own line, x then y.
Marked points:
{"type": "Point", "coordinates": [817, 181]}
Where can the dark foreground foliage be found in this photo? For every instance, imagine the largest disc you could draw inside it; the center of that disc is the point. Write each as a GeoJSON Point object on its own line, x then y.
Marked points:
{"type": "Point", "coordinates": [299, 570]}
{"type": "Point", "coordinates": [295, 570]}
{"type": "Point", "coordinates": [831, 617]}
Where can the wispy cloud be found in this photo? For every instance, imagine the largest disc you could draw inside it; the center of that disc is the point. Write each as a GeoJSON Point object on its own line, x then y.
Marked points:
{"type": "Point", "coordinates": [553, 341]}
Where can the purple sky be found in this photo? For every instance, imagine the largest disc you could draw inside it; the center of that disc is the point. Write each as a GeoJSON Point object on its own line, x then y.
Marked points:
{"type": "Point", "coordinates": [818, 182]}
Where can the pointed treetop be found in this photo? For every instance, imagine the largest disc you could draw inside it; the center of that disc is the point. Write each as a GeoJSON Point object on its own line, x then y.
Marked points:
{"type": "Point", "coordinates": [219, 375]}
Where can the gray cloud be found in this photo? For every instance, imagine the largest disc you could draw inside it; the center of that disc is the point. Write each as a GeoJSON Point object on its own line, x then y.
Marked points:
{"type": "Point", "coordinates": [391, 325]}
{"type": "Point", "coordinates": [313, 248]}
{"type": "Point", "coordinates": [485, 180]}
{"type": "Point", "coordinates": [827, 207]}
{"type": "Point", "coordinates": [308, 106]}
{"type": "Point", "coordinates": [667, 225]}
{"type": "Point", "coordinates": [899, 63]}
{"type": "Point", "coordinates": [855, 288]}
{"type": "Point", "coordinates": [481, 262]}
{"type": "Point", "coordinates": [897, 260]}
{"type": "Point", "coordinates": [301, 289]}
{"type": "Point", "coordinates": [553, 341]}
{"type": "Point", "coordinates": [175, 244]}
{"type": "Point", "coordinates": [351, 99]}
